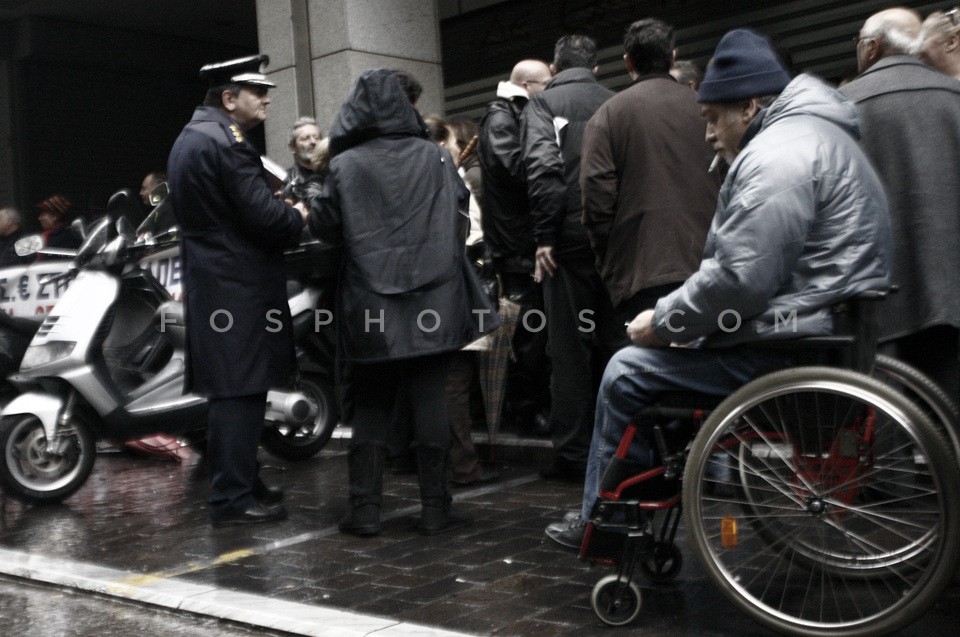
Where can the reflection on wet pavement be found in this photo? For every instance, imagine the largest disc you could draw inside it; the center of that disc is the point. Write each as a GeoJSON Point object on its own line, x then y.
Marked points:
{"type": "Point", "coordinates": [38, 611]}
{"type": "Point", "coordinates": [500, 576]}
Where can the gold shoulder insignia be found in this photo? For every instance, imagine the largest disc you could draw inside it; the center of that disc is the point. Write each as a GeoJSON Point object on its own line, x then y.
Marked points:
{"type": "Point", "coordinates": [237, 135]}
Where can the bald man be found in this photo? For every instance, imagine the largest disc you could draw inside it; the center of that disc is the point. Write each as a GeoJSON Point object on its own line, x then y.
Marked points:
{"type": "Point", "coordinates": [941, 42]}
{"type": "Point", "coordinates": [508, 232]}
{"type": "Point", "coordinates": [889, 32]}
{"type": "Point", "coordinates": [506, 224]}
{"type": "Point", "coordinates": [910, 127]}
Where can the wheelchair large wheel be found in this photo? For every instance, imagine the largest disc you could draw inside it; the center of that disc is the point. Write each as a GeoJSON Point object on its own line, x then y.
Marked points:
{"type": "Point", "coordinates": [844, 509]}
{"type": "Point", "coordinates": [924, 392]}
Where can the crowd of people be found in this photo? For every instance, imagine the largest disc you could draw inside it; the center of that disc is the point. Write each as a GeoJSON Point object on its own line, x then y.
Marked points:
{"type": "Point", "coordinates": [53, 212]}
{"type": "Point", "coordinates": [598, 212]}
{"type": "Point", "coordinates": [660, 233]}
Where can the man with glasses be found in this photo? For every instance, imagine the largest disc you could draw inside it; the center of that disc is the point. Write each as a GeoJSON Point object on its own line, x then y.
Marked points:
{"type": "Point", "coordinates": [800, 225]}
{"type": "Point", "coordinates": [233, 234]}
{"type": "Point", "coordinates": [506, 219]}
{"type": "Point", "coordinates": [508, 234]}
{"type": "Point", "coordinates": [910, 126]}
{"type": "Point", "coordinates": [941, 42]}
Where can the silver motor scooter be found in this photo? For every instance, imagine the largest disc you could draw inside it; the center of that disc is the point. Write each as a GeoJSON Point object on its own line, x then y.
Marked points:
{"type": "Point", "coordinates": [107, 362]}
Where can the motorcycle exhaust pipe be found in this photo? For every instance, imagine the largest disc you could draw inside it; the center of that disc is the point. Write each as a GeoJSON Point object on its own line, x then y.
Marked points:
{"type": "Point", "coordinates": [291, 407]}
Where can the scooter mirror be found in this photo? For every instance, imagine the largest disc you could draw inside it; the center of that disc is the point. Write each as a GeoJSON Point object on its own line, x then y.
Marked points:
{"type": "Point", "coordinates": [120, 200]}
{"type": "Point", "coordinates": [125, 229]}
{"type": "Point", "coordinates": [97, 238]}
{"type": "Point", "coordinates": [28, 245]}
{"type": "Point", "coordinates": [157, 220]}
{"type": "Point", "coordinates": [159, 193]}
{"type": "Point", "coordinates": [77, 226]}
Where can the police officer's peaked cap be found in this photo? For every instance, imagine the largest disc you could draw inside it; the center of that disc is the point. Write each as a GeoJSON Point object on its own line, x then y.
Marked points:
{"type": "Point", "coordinates": [240, 71]}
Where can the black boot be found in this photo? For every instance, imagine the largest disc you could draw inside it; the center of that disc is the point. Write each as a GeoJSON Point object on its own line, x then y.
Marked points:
{"type": "Point", "coordinates": [438, 515]}
{"type": "Point", "coordinates": [365, 463]}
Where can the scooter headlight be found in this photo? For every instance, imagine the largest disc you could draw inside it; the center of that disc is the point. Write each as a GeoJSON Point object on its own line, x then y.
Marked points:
{"type": "Point", "coordinates": [37, 355]}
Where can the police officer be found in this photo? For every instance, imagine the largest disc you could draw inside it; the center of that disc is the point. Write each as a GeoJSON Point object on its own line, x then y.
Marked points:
{"type": "Point", "coordinates": [234, 231]}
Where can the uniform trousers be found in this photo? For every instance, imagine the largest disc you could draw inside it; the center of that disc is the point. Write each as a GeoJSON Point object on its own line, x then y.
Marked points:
{"type": "Point", "coordinates": [234, 426]}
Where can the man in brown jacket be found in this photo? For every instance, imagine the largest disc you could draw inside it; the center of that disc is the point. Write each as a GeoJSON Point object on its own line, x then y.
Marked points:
{"type": "Point", "coordinates": [647, 196]}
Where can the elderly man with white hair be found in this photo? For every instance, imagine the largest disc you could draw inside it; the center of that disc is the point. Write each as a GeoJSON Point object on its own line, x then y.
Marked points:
{"type": "Point", "coordinates": [910, 127]}
{"type": "Point", "coordinates": [941, 42]}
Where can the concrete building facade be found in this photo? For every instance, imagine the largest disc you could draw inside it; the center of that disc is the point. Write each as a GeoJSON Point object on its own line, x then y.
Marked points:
{"type": "Point", "coordinates": [93, 93]}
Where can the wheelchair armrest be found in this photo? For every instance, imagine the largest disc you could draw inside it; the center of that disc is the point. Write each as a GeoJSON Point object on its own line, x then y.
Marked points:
{"type": "Point", "coordinates": [805, 343]}
{"type": "Point", "coordinates": [874, 295]}
{"type": "Point", "coordinates": [856, 332]}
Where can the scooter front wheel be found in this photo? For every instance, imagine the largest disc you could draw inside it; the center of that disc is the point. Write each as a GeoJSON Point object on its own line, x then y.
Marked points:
{"type": "Point", "coordinates": [31, 472]}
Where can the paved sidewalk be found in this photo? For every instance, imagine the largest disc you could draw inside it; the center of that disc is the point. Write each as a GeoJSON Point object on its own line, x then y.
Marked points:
{"type": "Point", "coordinates": [138, 530]}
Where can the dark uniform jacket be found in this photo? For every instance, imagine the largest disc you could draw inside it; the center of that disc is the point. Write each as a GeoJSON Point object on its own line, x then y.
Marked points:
{"type": "Point", "coordinates": [391, 201]}
{"type": "Point", "coordinates": [647, 197]}
{"type": "Point", "coordinates": [233, 232]}
{"type": "Point", "coordinates": [559, 114]}
{"type": "Point", "coordinates": [910, 125]}
{"type": "Point", "coordinates": [507, 227]}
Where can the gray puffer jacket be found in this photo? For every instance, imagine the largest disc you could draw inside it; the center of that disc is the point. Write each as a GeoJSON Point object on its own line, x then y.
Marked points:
{"type": "Point", "coordinates": [801, 224]}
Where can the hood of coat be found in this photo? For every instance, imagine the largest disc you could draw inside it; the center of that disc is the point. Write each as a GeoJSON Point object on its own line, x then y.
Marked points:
{"type": "Point", "coordinates": [806, 95]}
{"type": "Point", "coordinates": [375, 107]}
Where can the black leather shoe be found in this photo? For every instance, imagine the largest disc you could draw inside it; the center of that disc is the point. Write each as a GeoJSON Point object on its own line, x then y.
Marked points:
{"type": "Point", "coordinates": [568, 534]}
{"type": "Point", "coordinates": [486, 476]}
{"type": "Point", "coordinates": [266, 494]}
{"type": "Point", "coordinates": [254, 514]}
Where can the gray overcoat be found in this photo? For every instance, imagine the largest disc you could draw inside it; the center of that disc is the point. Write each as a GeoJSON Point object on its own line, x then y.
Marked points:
{"type": "Point", "coordinates": [910, 130]}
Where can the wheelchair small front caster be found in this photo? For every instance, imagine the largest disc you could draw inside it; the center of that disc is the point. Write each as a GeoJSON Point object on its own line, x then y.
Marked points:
{"type": "Point", "coordinates": [663, 564]}
{"type": "Point", "coordinates": [615, 601]}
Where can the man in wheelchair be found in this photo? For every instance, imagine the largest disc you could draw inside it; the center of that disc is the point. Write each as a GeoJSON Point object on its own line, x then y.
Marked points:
{"type": "Point", "coordinates": [801, 225]}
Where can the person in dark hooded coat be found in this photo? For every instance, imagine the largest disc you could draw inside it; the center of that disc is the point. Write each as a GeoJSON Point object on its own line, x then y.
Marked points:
{"type": "Point", "coordinates": [407, 296]}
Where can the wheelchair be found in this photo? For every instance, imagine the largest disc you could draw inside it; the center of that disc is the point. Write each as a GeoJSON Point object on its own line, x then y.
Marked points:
{"type": "Point", "coordinates": [820, 499]}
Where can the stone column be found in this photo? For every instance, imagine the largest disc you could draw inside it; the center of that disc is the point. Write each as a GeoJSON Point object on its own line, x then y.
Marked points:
{"type": "Point", "coordinates": [318, 47]}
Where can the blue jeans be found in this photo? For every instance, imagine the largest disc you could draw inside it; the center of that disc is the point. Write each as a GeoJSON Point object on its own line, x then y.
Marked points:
{"type": "Point", "coordinates": [636, 376]}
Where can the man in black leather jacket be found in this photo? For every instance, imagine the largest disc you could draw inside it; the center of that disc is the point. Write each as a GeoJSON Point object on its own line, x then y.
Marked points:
{"type": "Point", "coordinates": [508, 234]}
{"type": "Point", "coordinates": [582, 334]}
